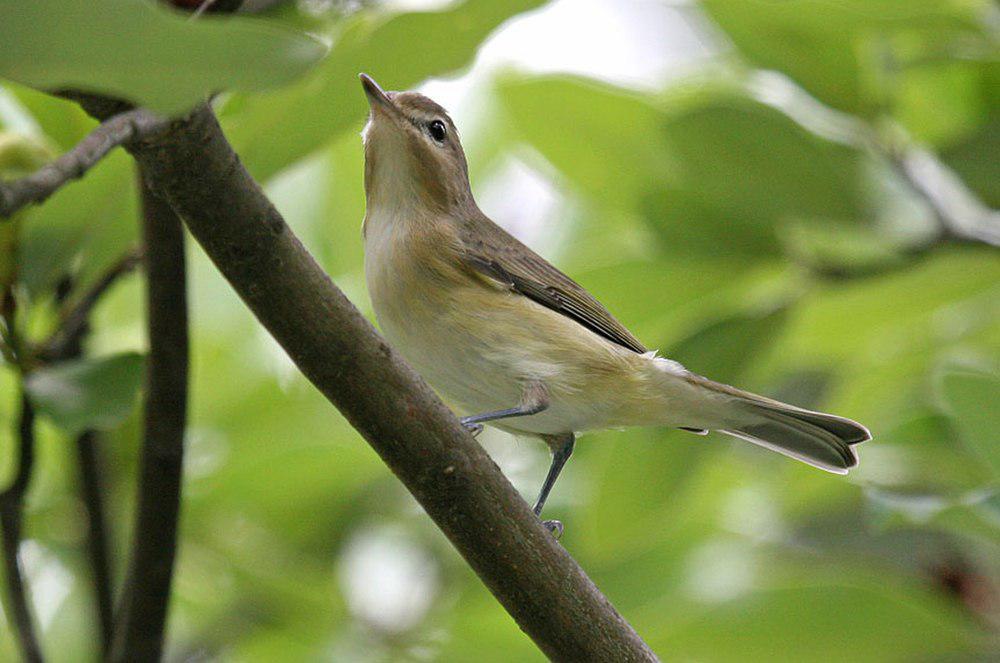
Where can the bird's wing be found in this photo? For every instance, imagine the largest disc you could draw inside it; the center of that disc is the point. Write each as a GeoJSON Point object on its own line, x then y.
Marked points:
{"type": "Point", "coordinates": [491, 251]}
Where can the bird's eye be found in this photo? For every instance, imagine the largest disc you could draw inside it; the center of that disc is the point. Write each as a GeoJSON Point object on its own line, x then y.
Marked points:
{"type": "Point", "coordinates": [437, 130]}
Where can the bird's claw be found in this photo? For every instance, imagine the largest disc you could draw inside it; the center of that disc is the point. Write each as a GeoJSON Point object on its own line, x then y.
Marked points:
{"type": "Point", "coordinates": [473, 428]}
{"type": "Point", "coordinates": [555, 528]}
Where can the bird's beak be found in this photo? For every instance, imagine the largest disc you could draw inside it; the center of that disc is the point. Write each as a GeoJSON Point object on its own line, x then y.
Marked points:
{"type": "Point", "coordinates": [378, 100]}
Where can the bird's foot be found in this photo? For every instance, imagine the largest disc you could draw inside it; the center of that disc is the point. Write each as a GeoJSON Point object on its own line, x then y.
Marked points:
{"type": "Point", "coordinates": [555, 528]}
{"type": "Point", "coordinates": [471, 426]}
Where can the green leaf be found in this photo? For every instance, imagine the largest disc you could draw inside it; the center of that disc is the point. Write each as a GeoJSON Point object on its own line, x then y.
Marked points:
{"type": "Point", "coordinates": [936, 461]}
{"type": "Point", "coordinates": [748, 169]}
{"type": "Point", "coordinates": [844, 53]}
{"type": "Point", "coordinates": [284, 126]}
{"type": "Point", "coordinates": [90, 393]}
{"type": "Point", "coordinates": [842, 250]}
{"type": "Point", "coordinates": [824, 623]}
{"type": "Point", "coordinates": [711, 169]}
{"type": "Point", "coordinates": [974, 160]}
{"type": "Point", "coordinates": [92, 218]}
{"type": "Point", "coordinates": [606, 140]}
{"type": "Point", "coordinates": [947, 99]}
{"type": "Point", "coordinates": [973, 399]}
{"type": "Point", "coordinates": [140, 51]}
{"type": "Point", "coordinates": [63, 121]}
{"type": "Point", "coordinates": [21, 155]}
{"type": "Point", "coordinates": [724, 349]}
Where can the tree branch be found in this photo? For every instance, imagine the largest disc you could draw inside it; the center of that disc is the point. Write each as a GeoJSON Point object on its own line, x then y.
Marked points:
{"type": "Point", "coordinates": [11, 506]}
{"type": "Point", "coordinates": [142, 611]}
{"type": "Point", "coordinates": [423, 443]}
{"type": "Point", "coordinates": [112, 132]}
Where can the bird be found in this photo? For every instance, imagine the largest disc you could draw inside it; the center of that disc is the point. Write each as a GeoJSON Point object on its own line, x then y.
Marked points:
{"type": "Point", "coordinates": [512, 341]}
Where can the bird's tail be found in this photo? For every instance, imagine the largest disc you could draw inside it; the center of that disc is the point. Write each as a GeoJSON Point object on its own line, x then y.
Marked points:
{"type": "Point", "coordinates": [821, 440]}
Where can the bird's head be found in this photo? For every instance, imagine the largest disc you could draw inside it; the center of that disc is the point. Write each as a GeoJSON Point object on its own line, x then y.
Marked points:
{"type": "Point", "coordinates": [412, 153]}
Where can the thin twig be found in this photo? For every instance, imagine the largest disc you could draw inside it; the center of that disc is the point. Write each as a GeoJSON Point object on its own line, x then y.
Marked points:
{"type": "Point", "coordinates": [141, 617]}
{"type": "Point", "coordinates": [75, 320]}
{"type": "Point", "coordinates": [76, 326]}
{"type": "Point", "coordinates": [97, 543]}
{"type": "Point", "coordinates": [11, 506]}
{"type": "Point", "coordinates": [117, 130]}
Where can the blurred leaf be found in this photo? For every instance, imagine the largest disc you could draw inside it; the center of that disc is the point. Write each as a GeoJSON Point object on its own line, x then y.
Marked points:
{"type": "Point", "coordinates": [723, 349]}
{"type": "Point", "coordinates": [945, 100]}
{"type": "Point", "coordinates": [822, 624]}
{"type": "Point", "coordinates": [710, 168]}
{"type": "Point", "coordinates": [974, 160]}
{"type": "Point", "coordinates": [284, 126]}
{"type": "Point", "coordinates": [606, 140]}
{"type": "Point", "coordinates": [91, 393]}
{"type": "Point", "coordinates": [89, 218]}
{"type": "Point", "coordinates": [973, 399]}
{"type": "Point", "coordinates": [840, 52]}
{"type": "Point", "coordinates": [842, 250]}
{"type": "Point", "coordinates": [905, 300]}
{"type": "Point", "coordinates": [62, 121]}
{"type": "Point", "coordinates": [21, 155]}
{"type": "Point", "coordinates": [77, 44]}
{"type": "Point", "coordinates": [924, 452]}
{"type": "Point", "coordinates": [748, 168]}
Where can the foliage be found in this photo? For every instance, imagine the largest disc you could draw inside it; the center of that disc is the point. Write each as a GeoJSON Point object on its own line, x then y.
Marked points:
{"type": "Point", "coordinates": [772, 244]}
{"type": "Point", "coordinates": [134, 49]}
{"type": "Point", "coordinates": [86, 394]}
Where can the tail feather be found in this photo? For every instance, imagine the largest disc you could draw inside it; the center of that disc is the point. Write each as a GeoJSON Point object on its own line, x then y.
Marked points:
{"type": "Point", "coordinates": [819, 439]}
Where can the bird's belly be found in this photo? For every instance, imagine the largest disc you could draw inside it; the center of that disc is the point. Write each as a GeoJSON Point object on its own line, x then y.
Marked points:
{"type": "Point", "coordinates": [480, 355]}
{"type": "Point", "coordinates": [459, 366]}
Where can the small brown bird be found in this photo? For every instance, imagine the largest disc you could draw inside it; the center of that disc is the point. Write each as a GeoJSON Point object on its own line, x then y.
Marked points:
{"type": "Point", "coordinates": [512, 340]}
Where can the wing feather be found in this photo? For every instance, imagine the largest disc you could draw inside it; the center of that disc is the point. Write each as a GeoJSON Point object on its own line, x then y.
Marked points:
{"type": "Point", "coordinates": [493, 252]}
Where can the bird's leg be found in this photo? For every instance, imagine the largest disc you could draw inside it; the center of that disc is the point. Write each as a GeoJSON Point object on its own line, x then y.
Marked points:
{"type": "Point", "coordinates": [562, 449]}
{"type": "Point", "coordinates": [534, 400]}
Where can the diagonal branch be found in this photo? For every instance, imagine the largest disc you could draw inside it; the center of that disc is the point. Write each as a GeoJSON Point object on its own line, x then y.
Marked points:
{"type": "Point", "coordinates": [452, 477]}
{"type": "Point", "coordinates": [114, 131]}
{"type": "Point", "coordinates": [11, 507]}
{"type": "Point", "coordinates": [142, 611]}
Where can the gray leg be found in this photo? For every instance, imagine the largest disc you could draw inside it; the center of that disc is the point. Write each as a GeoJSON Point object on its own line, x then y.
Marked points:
{"type": "Point", "coordinates": [534, 400]}
{"type": "Point", "coordinates": [562, 449]}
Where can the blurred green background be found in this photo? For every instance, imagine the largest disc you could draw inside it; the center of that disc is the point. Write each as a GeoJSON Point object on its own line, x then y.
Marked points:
{"type": "Point", "coordinates": [796, 197]}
